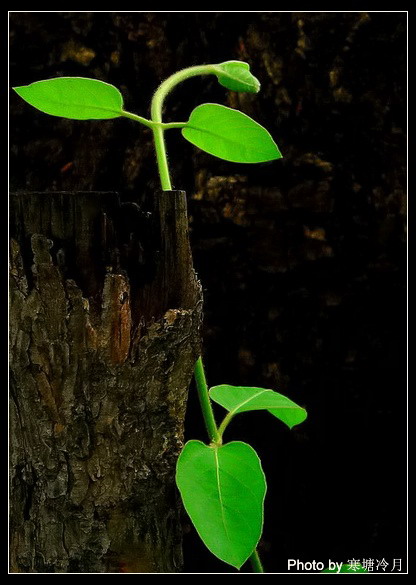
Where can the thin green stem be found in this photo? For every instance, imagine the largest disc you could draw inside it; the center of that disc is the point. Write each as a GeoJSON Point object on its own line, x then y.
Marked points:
{"type": "Point", "coordinates": [161, 157]}
{"type": "Point", "coordinates": [158, 128]}
{"type": "Point", "coordinates": [137, 118]}
{"type": "Point", "coordinates": [205, 402]}
{"type": "Point", "coordinates": [156, 115]}
{"type": "Point", "coordinates": [224, 424]}
{"type": "Point", "coordinates": [151, 124]}
{"type": "Point", "coordinates": [256, 562]}
{"type": "Point", "coordinates": [168, 125]}
{"type": "Point", "coordinates": [166, 86]}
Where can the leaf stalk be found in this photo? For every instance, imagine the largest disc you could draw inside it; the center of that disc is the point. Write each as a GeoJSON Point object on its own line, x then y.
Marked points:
{"type": "Point", "coordinates": [205, 402]}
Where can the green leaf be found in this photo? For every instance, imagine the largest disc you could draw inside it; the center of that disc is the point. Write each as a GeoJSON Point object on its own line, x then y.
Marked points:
{"type": "Point", "coordinates": [223, 490]}
{"type": "Point", "coordinates": [238, 399]}
{"type": "Point", "coordinates": [78, 98]}
{"type": "Point", "coordinates": [236, 75]}
{"type": "Point", "coordinates": [230, 135]}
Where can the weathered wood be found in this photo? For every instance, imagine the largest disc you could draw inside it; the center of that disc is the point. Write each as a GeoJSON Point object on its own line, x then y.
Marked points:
{"type": "Point", "coordinates": [105, 312]}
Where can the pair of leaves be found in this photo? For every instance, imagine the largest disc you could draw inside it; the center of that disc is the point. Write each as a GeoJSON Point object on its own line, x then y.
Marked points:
{"type": "Point", "coordinates": [81, 98]}
{"type": "Point", "coordinates": [216, 129]}
{"type": "Point", "coordinates": [223, 486]}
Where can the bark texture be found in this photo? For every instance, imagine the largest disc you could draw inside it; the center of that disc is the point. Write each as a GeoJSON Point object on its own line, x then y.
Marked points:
{"type": "Point", "coordinates": [105, 314]}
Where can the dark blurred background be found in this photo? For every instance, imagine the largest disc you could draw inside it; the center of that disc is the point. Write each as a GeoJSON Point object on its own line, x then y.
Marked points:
{"type": "Point", "coordinates": [302, 260]}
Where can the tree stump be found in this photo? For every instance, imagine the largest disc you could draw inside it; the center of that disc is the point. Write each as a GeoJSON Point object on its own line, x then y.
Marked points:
{"type": "Point", "coordinates": [105, 315]}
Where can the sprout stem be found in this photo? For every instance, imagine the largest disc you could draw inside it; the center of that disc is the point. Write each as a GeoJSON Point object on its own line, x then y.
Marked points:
{"type": "Point", "coordinates": [205, 402]}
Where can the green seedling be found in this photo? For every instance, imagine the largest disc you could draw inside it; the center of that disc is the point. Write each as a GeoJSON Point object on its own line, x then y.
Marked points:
{"type": "Point", "coordinates": [222, 485]}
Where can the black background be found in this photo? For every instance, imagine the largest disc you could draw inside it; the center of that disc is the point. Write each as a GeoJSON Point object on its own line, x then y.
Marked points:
{"type": "Point", "coordinates": [303, 260]}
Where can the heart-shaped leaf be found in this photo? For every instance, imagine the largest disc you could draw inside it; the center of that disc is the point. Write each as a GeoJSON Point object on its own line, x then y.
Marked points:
{"type": "Point", "coordinates": [78, 98]}
{"type": "Point", "coordinates": [243, 398]}
{"type": "Point", "coordinates": [230, 135]}
{"type": "Point", "coordinates": [223, 490]}
{"type": "Point", "coordinates": [236, 75]}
